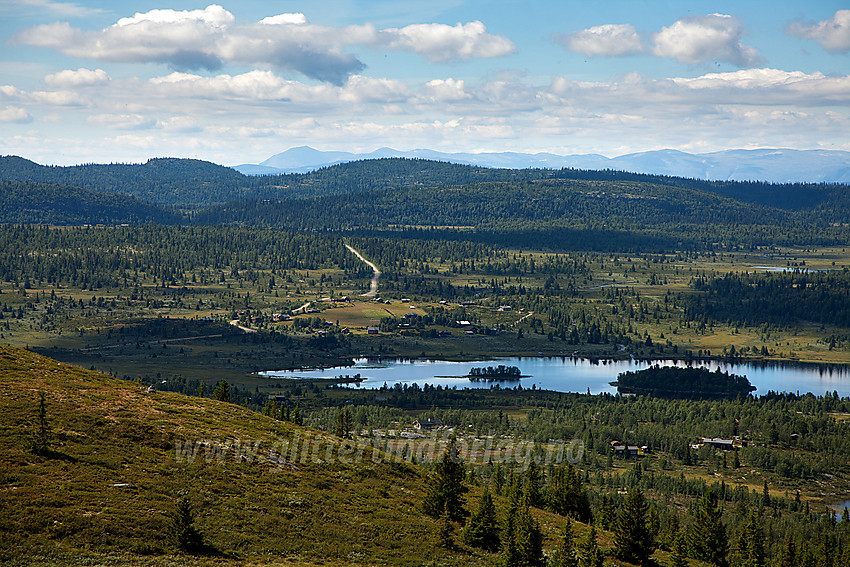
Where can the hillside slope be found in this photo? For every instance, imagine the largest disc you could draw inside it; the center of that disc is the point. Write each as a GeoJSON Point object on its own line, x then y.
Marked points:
{"type": "Point", "coordinates": [109, 485]}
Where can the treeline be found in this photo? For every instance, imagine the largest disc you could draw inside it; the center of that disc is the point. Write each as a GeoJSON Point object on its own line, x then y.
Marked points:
{"type": "Point", "coordinates": [780, 298]}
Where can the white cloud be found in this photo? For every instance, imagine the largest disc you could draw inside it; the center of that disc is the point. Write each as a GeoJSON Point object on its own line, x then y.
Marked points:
{"type": "Point", "coordinates": [79, 78]}
{"type": "Point", "coordinates": [833, 34]}
{"type": "Point", "coordinates": [213, 15]}
{"type": "Point", "coordinates": [367, 89]}
{"type": "Point", "coordinates": [750, 79]}
{"type": "Point", "coordinates": [714, 37]}
{"type": "Point", "coordinates": [15, 114]}
{"type": "Point", "coordinates": [122, 121]}
{"type": "Point", "coordinates": [294, 18]}
{"type": "Point", "coordinates": [447, 89]}
{"type": "Point", "coordinates": [609, 40]}
{"type": "Point", "coordinates": [61, 9]}
{"type": "Point", "coordinates": [210, 38]}
{"type": "Point", "coordinates": [440, 42]}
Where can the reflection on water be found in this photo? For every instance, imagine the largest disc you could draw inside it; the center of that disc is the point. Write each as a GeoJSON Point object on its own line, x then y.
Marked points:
{"type": "Point", "coordinates": [569, 374]}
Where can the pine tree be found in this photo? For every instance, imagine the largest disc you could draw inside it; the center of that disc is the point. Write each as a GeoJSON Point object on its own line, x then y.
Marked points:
{"type": "Point", "coordinates": [222, 392]}
{"type": "Point", "coordinates": [445, 488]}
{"type": "Point", "coordinates": [184, 535]}
{"type": "Point", "coordinates": [707, 536]}
{"type": "Point", "coordinates": [565, 555]}
{"type": "Point", "coordinates": [296, 415]}
{"type": "Point", "coordinates": [751, 542]}
{"type": "Point", "coordinates": [591, 555]}
{"type": "Point", "coordinates": [482, 530]}
{"type": "Point", "coordinates": [634, 539]}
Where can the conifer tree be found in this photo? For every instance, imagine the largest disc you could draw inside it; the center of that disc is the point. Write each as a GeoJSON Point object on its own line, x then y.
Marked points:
{"type": "Point", "coordinates": [41, 443]}
{"type": "Point", "coordinates": [296, 416]}
{"type": "Point", "coordinates": [482, 530]}
{"type": "Point", "coordinates": [565, 555]}
{"type": "Point", "coordinates": [707, 538]}
{"type": "Point", "coordinates": [533, 481]}
{"type": "Point", "coordinates": [444, 534]}
{"type": "Point", "coordinates": [343, 423]}
{"type": "Point", "coordinates": [591, 555]}
{"type": "Point", "coordinates": [789, 553]}
{"type": "Point", "coordinates": [445, 488]}
{"type": "Point", "coordinates": [566, 496]}
{"type": "Point", "coordinates": [751, 542]}
{"type": "Point", "coordinates": [607, 514]}
{"type": "Point", "coordinates": [522, 540]}
{"type": "Point", "coordinates": [634, 539]}
{"type": "Point", "coordinates": [679, 556]}
{"type": "Point", "coordinates": [184, 535]}
{"type": "Point", "coordinates": [222, 392]}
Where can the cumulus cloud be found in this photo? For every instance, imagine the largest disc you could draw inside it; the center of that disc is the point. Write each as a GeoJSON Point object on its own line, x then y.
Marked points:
{"type": "Point", "coordinates": [609, 40]}
{"type": "Point", "coordinates": [440, 42]}
{"type": "Point", "coordinates": [714, 37]}
{"type": "Point", "coordinates": [833, 34]}
{"type": "Point", "coordinates": [447, 89]}
{"type": "Point", "coordinates": [191, 40]}
{"type": "Point", "coordinates": [79, 78]}
{"type": "Point", "coordinates": [294, 18]}
{"type": "Point", "coordinates": [15, 114]}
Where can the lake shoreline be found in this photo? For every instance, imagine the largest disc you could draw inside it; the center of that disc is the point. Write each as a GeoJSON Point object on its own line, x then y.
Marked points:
{"type": "Point", "coordinates": [575, 374]}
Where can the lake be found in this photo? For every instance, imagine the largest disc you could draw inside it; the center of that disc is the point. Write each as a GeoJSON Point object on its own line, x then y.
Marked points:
{"type": "Point", "coordinates": [567, 374]}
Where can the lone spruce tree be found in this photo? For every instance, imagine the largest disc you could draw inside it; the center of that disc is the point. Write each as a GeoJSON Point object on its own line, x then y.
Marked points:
{"type": "Point", "coordinates": [633, 535]}
{"type": "Point", "coordinates": [482, 530]}
{"type": "Point", "coordinates": [222, 392]}
{"type": "Point", "coordinates": [445, 490]}
{"type": "Point", "coordinates": [41, 443]}
{"type": "Point", "coordinates": [184, 535]}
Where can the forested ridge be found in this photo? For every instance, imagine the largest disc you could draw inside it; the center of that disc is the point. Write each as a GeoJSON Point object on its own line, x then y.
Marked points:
{"type": "Point", "coordinates": [48, 203]}
{"type": "Point", "coordinates": [195, 184]}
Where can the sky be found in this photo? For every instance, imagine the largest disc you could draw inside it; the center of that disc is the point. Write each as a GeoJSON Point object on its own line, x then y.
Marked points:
{"type": "Point", "coordinates": [237, 82]}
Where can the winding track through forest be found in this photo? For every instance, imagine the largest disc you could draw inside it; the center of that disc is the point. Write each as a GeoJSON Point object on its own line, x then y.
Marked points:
{"type": "Point", "coordinates": [373, 284]}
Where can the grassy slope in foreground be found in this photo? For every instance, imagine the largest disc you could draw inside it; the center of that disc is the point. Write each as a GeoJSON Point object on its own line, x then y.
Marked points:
{"type": "Point", "coordinates": [63, 509]}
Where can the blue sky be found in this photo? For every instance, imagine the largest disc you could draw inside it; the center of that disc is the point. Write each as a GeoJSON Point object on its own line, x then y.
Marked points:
{"type": "Point", "coordinates": [237, 82]}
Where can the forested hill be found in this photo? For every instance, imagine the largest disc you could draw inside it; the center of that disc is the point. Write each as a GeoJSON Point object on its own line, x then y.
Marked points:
{"type": "Point", "coordinates": [167, 181]}
{"type": "Point", "coordinates": [188, 183]}
{"type": "Point", "coordinates": [48, 203]}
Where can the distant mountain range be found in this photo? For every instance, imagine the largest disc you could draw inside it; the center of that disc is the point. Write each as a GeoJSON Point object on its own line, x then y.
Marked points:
{"type": "Point", "coordinates": [770, 165]}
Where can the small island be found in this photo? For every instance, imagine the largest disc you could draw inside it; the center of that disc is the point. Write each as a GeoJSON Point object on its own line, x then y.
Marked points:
{"type": "Point", "coordinates": [499, 373]}
{"type": "Point", "coordinates": [683, 383]}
